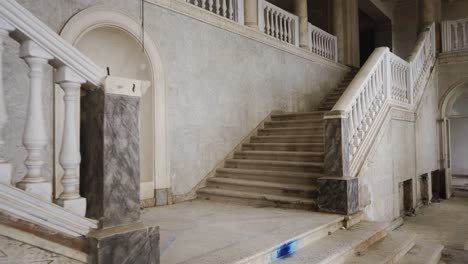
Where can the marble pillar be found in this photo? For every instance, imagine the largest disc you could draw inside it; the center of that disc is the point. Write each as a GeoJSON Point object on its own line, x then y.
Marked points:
{"type": "Point", "coordinates": [110, 166]}
{"type": "Point", "coordinates": [345, 26]}
{"type": "Point", "coordinates": [338, 191]}
{"type": "Point", "coordinates": [336, 162]}
{"type": "Point", "coordinates": [251, 13]}
{"type": "Point", "coordinates": [300, 10]}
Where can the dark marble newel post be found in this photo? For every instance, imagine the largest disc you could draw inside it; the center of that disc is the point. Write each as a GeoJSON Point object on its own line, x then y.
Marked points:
{"type": "Point", "coordinates": [110, 175]}
{"type": "Point", "coordinates": [338, 192]}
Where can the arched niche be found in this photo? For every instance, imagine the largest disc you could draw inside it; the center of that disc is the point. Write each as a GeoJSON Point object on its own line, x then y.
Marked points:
{"type": "Point", "coordinates": [111, 38]}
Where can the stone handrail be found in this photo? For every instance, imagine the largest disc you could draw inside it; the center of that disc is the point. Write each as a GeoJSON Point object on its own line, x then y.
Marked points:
{"type": "Point", "coordinates": [322, 43]}
{"type": "Point", "coordinates": [40, 47]}
{"type": "Point", "coordinates": [278, 23]}
{"type": "Point", "coordinates": [384, 80]}
{"type": "Point", "coordinates": [454, 35]}
{"type": "Point", "coordinates": [230, 9]}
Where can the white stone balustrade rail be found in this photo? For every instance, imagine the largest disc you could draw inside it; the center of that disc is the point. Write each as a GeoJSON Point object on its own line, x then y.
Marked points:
{"type": "Point", "coordinates": [384, 80]}
{"type": "Point", "coordinates": [455, 35]}
{"type": "Point", "coordinates": [278, 23]}
{"type": "Point", "coordinates": [230, 9]}
{"type": "Point", "coordinates": [40, 46]}
{"type": "Point", "coordinates": [322, 43]}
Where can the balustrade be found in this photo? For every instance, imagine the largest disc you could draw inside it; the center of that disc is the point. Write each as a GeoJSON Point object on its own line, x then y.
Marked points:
{"type": "Point", "coordinates": [230, 9]}
{"type": "Point", "coordinates": [384, 79]}
{"type": "Point", "coordinates": [455, 35]}
{"type": "Point", "coordinates": [323, 43]}
{"type": "Point", "coordinates": [278, 23]}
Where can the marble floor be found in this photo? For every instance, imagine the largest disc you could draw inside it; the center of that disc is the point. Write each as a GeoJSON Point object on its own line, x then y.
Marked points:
{"type": "Point", "coordinates": [445, 222]}
{"type": "Point", "coordinates": [191, 230]}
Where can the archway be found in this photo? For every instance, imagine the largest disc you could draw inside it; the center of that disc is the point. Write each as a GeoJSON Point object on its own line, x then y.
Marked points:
{"type": "Point", "coordinates": [453, 131]}
{"type": "Point", "coordinates": [98, 27]}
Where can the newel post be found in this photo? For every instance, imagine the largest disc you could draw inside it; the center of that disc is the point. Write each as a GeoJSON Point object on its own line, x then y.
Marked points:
{"type": "Point", "coordinates": [338, 191]}
{"type": "Point", "coordinates": [110, 173]}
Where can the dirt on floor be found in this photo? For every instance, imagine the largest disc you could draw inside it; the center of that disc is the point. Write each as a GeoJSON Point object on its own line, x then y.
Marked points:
{"type": "Point", "coordinates": [445, 222]}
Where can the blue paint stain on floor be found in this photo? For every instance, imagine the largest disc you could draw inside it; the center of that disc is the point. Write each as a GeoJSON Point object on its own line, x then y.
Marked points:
{"type": "Point", "coordinates": [286, 249]}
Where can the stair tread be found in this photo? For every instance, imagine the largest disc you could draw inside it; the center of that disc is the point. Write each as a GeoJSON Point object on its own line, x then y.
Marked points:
{"type": "Point", "coordinates": [290, 128]}
{"type": "Point", "coordinates": [286, 136]}
{"type": "Point", "coordinates": [278, 162]}
{"type": "Point", "coordinates": [423, 252]}
{"type": "Point", "coordinates": [283, 144]}
{"type": "Point", "coordinates": [338, 245]}
{"type": "Point", "coordinates": [270, 173]}
{"type": "Point", "coordinates": [289, 153]}
{"type": "Point", "coordinates": [297, 114]}
{"type": "Point", "coordinates": [295, 121]}
{"type": "Point", "coordinates": [286, 186]}
{"type": "Point", "coordinates": [257, 196]}
{"type": "Point", "coordinates": [389, 250]}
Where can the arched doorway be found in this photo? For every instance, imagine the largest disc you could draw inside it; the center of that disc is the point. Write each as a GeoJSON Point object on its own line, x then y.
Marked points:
{"type": "Point", "coordinates": [112, 39]}
{"type": "Point", "coordinates": [454, 139]}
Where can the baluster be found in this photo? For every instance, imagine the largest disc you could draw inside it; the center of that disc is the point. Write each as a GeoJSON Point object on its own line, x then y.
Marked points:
{"type": "Point", "coordinates": [69, 157]}
{"type": "Point", "coordinates": [464, 35]}
{"type": "Point", "coordinates": [203, 4]}
{"type": "Point", "coordinates": [357, 140]}
{"type": "Point", "coordinates": [210, 5]}
{"type": "Point", "coordinates": [280, 29]}
{"type": "Point", "coordinates": [231, 10]}
{"type": "Point", "coordinates": [287, 33]}
{"type": "Point", "coordinates": [5, 167]}
{"type": "Point", "coordinates": [267, 20]}
{"type": "Point", "coordinates": [196, 2]}
{"type": "Point", "coordinates": [35, 137]}
{"type": "Point", "coordinates": [224, 8]}
{"type": "Point", "coordinates": [275, 24]}
{"type": "Point", "coordinates": [291, 34]}
{"type": "Point", "coordinates": [218, 7]}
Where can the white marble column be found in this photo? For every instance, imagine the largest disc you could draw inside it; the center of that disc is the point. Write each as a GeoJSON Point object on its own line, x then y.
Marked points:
{"type": "Point", "coordinates": [251, 13]}
{"type": "Point", "coordinates": [35, 136]}
{"type": "Point", "coordinates": [5, 166]}
{"type": "Point", "coordinates": [300, 10]}
{"type": "Point", "coordinates": [69, 157]}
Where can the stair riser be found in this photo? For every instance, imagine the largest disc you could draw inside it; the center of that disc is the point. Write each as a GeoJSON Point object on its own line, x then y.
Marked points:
{"type": "Point", "coordinates": [274, 167]}
{"type": "Point", "coordinates": [293, 124]}
{"type": "Point", "coordinates": [302, 158]}
{"type": "Point", "coordinates": [293, 180]}
{"type": "Point", "coordinates": [254, 202]}
{"type": "Point", "coordinates": [317, 139]}
{"type": "Point", "coordinates": [259, 190]}
{"type": "Point", "coordinates": [297, 117]}
{"type": "Point", "coordinates": [291, 132]}
{"type": "Point", "coordinates": [284, 148]}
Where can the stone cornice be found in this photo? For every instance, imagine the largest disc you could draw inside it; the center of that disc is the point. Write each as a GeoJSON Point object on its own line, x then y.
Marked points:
{"type": "Point", "coordinates": [453, 57]}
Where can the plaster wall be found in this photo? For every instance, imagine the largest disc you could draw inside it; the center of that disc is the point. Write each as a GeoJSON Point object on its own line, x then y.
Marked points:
{"type": "Point", "coordinates": [220, 85]}
{"type": "Point", "coordinates": [459, 145]}
{"type": "Point", "coordinates": [453, 10]}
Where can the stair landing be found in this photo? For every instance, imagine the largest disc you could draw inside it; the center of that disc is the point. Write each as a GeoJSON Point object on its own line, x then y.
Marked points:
{"type": "Point", "coordinates": [212, 233]}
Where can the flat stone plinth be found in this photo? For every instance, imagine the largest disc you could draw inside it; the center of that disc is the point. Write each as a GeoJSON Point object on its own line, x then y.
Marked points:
{"type": "Point", "coordinates": [128, 244]}
{"type": "Point", "coordinates": [338, 195]}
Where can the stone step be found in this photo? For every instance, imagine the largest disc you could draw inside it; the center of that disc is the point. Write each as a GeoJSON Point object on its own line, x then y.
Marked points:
{"type": "Point", "coordinates": [315, 130]}
{"type": "Point", "coordinates": [287, 139]}
{"type": "Point", "coordinates": [316, 167]}
{"type": "Point", "coordinates": [297, 116]}
{"type": "Point", "coordinates": [255, 199]}
{"type": "Point", "coordinates": [423, 252]}
{"type": "Point", "coordinates": [325, 108]}
{"type": "Point", "coordinates": [339, 246]}
{"type": "Point", "coordinates": [262, 187]}
{"type": "Point", "coordinates": [314, 147]}
{"type": "Point", "coordinates": [389, 250]}
{"type": "Point", "coordinates": [279, 155]}
{"type": "Point", "coordinates": [269, 176]}
{"type": "Point", "coordinates": [294, 123]}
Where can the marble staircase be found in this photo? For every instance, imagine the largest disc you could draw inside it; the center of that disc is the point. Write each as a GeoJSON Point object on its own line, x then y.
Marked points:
{"type": "Point", "coordinates": [280, 164]}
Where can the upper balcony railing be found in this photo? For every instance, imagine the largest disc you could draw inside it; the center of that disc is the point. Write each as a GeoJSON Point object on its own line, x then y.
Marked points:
{"type": "Point", "coordinates": [278, 22]}
{"type": "Point", "coordinates": [384, 80]}
{"type": "Point", "coordinates": [455, 35]}
{"type": "Point", "coordinates": [322, 43]}
{"type": "Point", "coordinates": [230, 9]}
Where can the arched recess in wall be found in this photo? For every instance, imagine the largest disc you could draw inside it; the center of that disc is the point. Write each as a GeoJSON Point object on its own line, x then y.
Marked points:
{"type": "Point", "coordinates": [446, 105]}
{"type": "Point", "coordinates": [106, 24]}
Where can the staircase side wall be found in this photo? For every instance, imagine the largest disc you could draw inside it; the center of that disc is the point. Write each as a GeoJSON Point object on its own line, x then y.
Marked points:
{"type": "Point", "coordinates": [219, 86]}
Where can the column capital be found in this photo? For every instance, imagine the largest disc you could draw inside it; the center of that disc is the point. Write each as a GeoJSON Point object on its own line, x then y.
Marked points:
{"type": "Point", "coordinates": [65, 74]}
